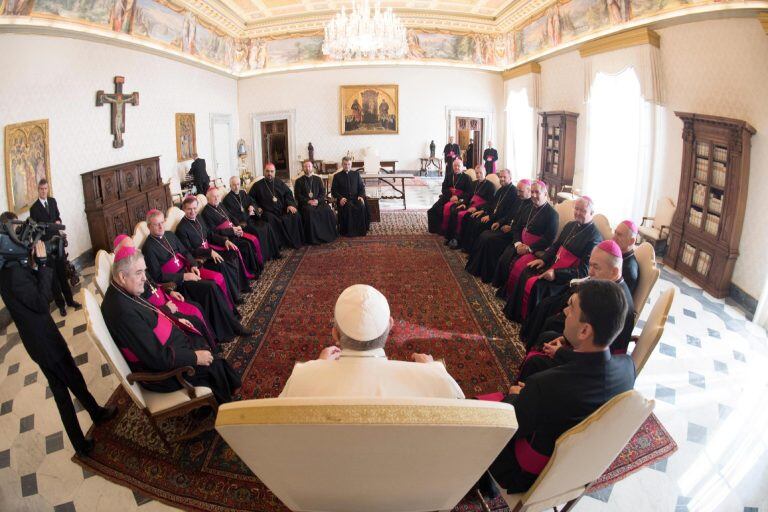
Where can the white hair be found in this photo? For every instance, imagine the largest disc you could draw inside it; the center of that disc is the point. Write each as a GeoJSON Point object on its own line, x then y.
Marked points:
{"type": "Point", "coordinates": [122, 266]}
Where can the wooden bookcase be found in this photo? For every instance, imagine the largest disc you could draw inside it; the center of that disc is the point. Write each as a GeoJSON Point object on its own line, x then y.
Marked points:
{"type": "Point", "coordinates": [558, 149]}
{"type": "Point", "coordinates": [706, 229]}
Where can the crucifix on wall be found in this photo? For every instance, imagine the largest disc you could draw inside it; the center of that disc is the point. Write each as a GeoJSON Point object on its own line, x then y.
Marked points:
{"type": "Point", "coordinates": [117, 103]}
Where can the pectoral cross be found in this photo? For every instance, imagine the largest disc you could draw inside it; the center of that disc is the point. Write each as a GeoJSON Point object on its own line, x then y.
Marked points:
{"type": "Point", "coordinates": [117, 102]}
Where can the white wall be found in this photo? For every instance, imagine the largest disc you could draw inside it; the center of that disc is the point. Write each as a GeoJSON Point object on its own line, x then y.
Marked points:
{"type": "Point", "coordinates": [716, 67]}
{"type": "Point", "coordinates": [57, 78]}
{"type": "Point", "coordinates": [424, 96]}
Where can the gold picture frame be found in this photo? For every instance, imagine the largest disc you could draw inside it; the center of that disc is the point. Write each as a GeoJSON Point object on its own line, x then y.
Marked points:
{"type": "Point", "coordinates": [27, 161]}
{"type": "Point", "coordinates": [186, 139]}
{"type": "Point", "coordinates": [369, 109]}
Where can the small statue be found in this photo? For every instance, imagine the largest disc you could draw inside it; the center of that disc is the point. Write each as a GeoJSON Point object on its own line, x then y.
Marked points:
{"type": "Point", "coordinates": [311, 152]}
{"type": "Point", "coordinates": [432, 149]}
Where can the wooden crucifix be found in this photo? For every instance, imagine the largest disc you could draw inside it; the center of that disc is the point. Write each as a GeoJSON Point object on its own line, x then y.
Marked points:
{"type": "Point", "coordinates": [117, 103]}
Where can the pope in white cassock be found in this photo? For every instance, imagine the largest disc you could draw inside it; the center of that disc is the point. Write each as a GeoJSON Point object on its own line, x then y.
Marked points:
{"type": "Point", "coordinates": [360, 368]}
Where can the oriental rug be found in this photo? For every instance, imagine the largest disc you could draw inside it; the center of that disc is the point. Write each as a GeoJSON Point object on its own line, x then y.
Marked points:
{"type": "Point", "coordinates": [438, 309]}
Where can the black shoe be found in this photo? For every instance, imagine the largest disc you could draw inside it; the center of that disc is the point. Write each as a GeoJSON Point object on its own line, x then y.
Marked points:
{"type": "Point", "coordinates": [62, 311]}
{"type": "Point", "coordinates": [75, 304]}
{"type": "Point", "coordinates": [239, 301]}
{"type": "Point", "coordinates": [106, 414]}
{"type": "Point", "coordinates": [453, 244]}
{"type": "Point", "coordinates": [277, 256]}
{"type": "Point", "coordinates": [242, 331]}
{"type": "Point", "coordinates": [87, 448]}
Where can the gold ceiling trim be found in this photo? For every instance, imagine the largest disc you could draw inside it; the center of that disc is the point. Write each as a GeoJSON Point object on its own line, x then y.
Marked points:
{"type": "Point", "coordinates": [216, 13]}
{"type": "Point", "coordinates": [763, 19]}
{"type": "Point", "coordinates": [520, 12]}
{"type": "Point", "coordinates": [625, 39]}
{"type": "Point", "coordinates": [522, 69]}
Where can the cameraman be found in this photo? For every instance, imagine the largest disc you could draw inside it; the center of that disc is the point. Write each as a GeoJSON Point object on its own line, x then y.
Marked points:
{"type": "Point", "coordinates": [25, 286]}
{"type": "Point", "coordinates": [45, 209]}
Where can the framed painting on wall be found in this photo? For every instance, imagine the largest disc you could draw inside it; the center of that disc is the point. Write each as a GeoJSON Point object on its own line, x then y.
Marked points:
{"type": "Point", "coordinates": [369, 109]}
{"type": "Point", "coordinates": [186, 142]}
{"type": "Point", "coordinates": [27, 161]}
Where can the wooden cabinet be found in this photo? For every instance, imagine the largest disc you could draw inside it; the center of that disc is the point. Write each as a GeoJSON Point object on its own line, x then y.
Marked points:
{"type": "Point", "coordinates": [558, 149]}
{"type": "Point", "coordinates": [706, 229]}
{"type": "Point", "coordinates": [118, 197]}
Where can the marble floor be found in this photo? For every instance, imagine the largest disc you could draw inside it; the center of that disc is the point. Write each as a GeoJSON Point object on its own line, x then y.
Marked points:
{"type": "Point", "coordinates": [708, 377]}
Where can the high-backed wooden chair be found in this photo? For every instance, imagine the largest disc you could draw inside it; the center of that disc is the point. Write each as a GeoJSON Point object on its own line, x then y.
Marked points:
{"type": "Point", "coordinates": [583, 453]}
{"type": "Point", "coordinates": [648, 275]}
{"type": "Point", "coordinates": [653, 329]}
{"type": "Point", "coordinates": [104, 261]}
{"type": "Point", "coordinates": [154, 405]}
{"type": "Point", "coordinates": [658, 231]}
{"type": "Point", "coordinates": [601, 221]}
{"type": "Point", "coordinates": [367, 454]}
{"type": "Point", "coordinates": [565, 212]}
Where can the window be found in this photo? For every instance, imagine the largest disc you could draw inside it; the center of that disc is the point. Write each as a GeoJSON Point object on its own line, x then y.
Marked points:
{"type": "Point", "coordinates": [520, 131]}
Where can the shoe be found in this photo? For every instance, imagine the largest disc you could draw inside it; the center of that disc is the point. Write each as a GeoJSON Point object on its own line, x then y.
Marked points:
{"type": "Point", "coordinates": [87, 448]}
{"type": "Point", "coordinates": [453, 244]}
{"type": "Point", "coordinates": [106, 414]}
{"type": "Point", "coordinates": [75, 304]}
{"type": "Point", "coordinates": [277, 256]}
{"type": "Point", "coordinates": [62, 311]}
{"type": "Point", "coordinates": [242, 331]}
{"type": "Point", "coordinates": [239, 301]}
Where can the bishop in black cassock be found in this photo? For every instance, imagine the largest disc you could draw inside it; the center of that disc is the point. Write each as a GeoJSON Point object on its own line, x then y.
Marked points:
{"type": "Point", "coordinates": [451, 152]}
{"type": "Point", "coordinates": [490, 156]}
{"type": "Point", "coordinates": [480, 193]}
{"type": "Point", "coordinates": [567, 258]}
{"type": "Point", "coordinates": [456, 187]}
{"type": "Point", "coordinates": [481, 220]}
{"type": "Point", "coordinates": [279, 208]}
{"type": "Point", "coordinates": [320, 224]}
{"type": "Point", "coordinates": [245, 213]}
{"type": "Point", "coordinates": [484, 252]}
{"type": "Point", "coordinates": [625, 234]}
{"type": "Point", "coordinates": [348, 189]}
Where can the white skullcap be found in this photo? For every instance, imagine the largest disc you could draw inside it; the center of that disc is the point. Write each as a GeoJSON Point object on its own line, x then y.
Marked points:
{"type": "Point", "coordinates": [362, 312]}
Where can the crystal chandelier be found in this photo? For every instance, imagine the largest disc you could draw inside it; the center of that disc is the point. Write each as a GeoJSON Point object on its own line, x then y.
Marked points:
{"type": "Point", "coordinates": [362, 34]}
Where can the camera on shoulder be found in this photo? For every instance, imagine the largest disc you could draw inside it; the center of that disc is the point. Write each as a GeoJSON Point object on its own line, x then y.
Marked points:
{"type": "Point", "coordinates": [17, 238]}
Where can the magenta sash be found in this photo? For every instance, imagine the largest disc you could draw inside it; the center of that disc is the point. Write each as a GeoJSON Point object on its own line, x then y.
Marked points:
{"type": "Point", "coordinates": [476, 202]}
{"type": "Point", "coordinates": [129, 355]}
{"type": "Point", "coordinates": [217, 278]}
{"type": "Point", "coordinates": [163, 329]}
{"type": "Point", "coordinates": [175, 264]}
{"type": "Point", "coordinates": [519, 264]}
{"type": "Point", "coordinates": [237, 250]}
{"type": "Point", "coordinates": [254, 240]}
{"type": "Point", "coordinates": [447, 210]}
{"type": "Point", "coordinates": [159, 298]}
{"type": "Point", "coordinates": [564, 259]}
{"type": "Point", "coordinates": [529, 459]}
{"type": "Point", "coordinates": [179, 262]}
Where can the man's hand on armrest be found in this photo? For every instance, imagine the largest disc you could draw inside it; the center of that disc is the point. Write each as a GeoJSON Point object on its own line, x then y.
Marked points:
{"type": "Point", "coordinates": [422, 358]}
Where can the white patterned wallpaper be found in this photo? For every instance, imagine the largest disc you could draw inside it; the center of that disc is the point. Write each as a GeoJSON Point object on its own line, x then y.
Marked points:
{"type": "Point", "coordinates": [424, 95]}
{"type": "Point", "coordinates": [57, 78]}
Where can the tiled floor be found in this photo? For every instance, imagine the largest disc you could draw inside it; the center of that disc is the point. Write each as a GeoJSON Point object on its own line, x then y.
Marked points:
{"type": "Point", "coordinates": [708, 376]}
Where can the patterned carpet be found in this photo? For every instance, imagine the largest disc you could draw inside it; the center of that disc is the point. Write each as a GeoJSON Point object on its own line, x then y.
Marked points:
{"type": "Point", "coordinates": [438, 309]}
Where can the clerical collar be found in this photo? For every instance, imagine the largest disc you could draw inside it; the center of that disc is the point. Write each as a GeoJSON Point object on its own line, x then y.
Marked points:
{"type": "Point", "coordinates": [600, 356]}
{"type": "Point", "coordinates": [627, 254]}
{"type": "Point", "coordinates": [377, 352]}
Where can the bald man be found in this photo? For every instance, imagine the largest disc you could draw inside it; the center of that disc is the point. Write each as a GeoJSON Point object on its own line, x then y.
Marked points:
{"type": "Point", "coordinates": [279, 208]}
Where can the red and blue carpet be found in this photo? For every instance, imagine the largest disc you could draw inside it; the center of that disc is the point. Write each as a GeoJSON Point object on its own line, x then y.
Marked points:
{"type": "Point", "coordinates": [438, 309]}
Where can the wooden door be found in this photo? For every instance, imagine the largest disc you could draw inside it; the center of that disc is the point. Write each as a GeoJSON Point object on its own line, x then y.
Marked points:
{"type": "Point", "coordinates": [274, 146]}
{"type": "Point", "coordinates": [470, 128]}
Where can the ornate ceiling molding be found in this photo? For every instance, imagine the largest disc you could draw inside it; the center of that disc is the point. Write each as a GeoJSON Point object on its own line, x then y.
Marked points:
{"type": "Point", "coordinates": [625, 39]}
{"type": "Point", "coordinates": [763, 18]}
{"type": "Point", "coordinates": [217, 13]}
{"type": "Point", "coordinates": [522, 69]}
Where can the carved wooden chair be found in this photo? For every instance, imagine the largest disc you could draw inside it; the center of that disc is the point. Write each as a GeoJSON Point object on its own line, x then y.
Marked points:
{"type": "Point", "coordinates": [658, 231]}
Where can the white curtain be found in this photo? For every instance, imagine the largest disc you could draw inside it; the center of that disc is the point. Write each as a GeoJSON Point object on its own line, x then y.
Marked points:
{"type": "Point", "coordinates": [522, 103]}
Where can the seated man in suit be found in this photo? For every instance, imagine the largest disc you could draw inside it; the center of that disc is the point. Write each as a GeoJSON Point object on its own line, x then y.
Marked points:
{"type": "Point", "coordinates": [45, 209]}
{"type": "Point", "coordinates": [553, 401]}
{"type": "Point", "coordinates": [360, 367]}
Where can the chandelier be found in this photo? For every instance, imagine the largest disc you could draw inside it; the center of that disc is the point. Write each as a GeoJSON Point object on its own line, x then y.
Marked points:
{"type": "Point", "coordinates": [365, 34]}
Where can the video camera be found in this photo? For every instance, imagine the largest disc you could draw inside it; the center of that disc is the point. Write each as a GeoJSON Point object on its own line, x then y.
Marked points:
{"type": "Point", "coordinates": [17, 238]}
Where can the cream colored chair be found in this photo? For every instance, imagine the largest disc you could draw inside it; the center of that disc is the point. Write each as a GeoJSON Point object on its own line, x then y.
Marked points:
{"type": "Point", "coordinates": [367, 454]}
{"type": "Point", "coordinates": [601, 221]}
{"type": "Point", "coordinates": [154, 405]}
{"type": "Point", "coordinates": [202, 201]}
{"type": "Point", "coordinates": [565, 212]}
{"type": "Point", "coordinates": [567, 193]}
{"type": "Point", "coordinates": [173, 218]}
{"type": "Point", "coordinates": [662, 218]}
{"type": "Point", "coordinates": [104, 262]}
{"type": "Point", "coordinates": [495, 180]}
{"type": "Point", "coordinates": [140, 234]}
{"type": "Point", "coordinates": [649, 337]}
{"type": "Point", "coordinates": [471, 174]}
{"type": "Point", "coordinates": [647, 276]}
{"type": "Point", "coordinates": [583, 453]}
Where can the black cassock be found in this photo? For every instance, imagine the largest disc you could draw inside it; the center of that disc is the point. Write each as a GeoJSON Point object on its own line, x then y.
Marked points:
{"type": "Point", "coordinates": [469, 160]}
{"type": "Point", "coordinates": [237, 206]}
{"type": "Point", "coordinates": [150, 341]}
{"type": "Point", "coordinates": [320, 224]}
{"type": "Point", "coordinates": [554, 401]}
{"type": "Point", "coordinates": [217, 219]}
{"type": "Point", "coordinates": [200, 176]}
{"type": "Point", "coordinates": [197, 239]}
{"type": "Point", "coordinates": [353, 216]}
{"type": "Point", "coordinates": [490, 155]}
{"type": "Point", "coordinates": [479, 191]}
{"type": "Point", "coordinates": [453, 184]}
{"type": "Point", "coordinates": [485, 251]}
{"type": "Point", "coordinates": [630, 270]}
{"type": "Point", "coordinates": [206, 293]}
{"type": "Point", "coordinates": [568, 255]}
{"type": "Point", "coordinates": [450, 153]}
{"type": "Point", "coordinates": [495, 208]}
{"type": "Point", "coordinates": [540, 222]}
{"type": "Point", "coordinates": [274, 197]}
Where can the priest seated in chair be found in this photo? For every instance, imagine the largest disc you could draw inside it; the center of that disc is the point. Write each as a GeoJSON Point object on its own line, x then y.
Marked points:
{"type": "Point", "coordinates": [320, 223]}
{"type": "Point", "coordinates": [348, 190]}
{"type": "Point", "coordinates": [245, 213]}
{"type": "Point", "coordinates": [279, 208]}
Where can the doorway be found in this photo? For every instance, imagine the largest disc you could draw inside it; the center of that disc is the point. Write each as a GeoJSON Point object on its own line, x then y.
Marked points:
{"type": "Point", "coordinates": [223, 148]}
{"type": "Point", "coordinates": [274, 146]}
{"type": "Point", "coordinates": [470, 137]}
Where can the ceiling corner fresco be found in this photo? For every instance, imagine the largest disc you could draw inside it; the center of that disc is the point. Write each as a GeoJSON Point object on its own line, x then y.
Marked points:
{"type": "Point", "coordinates": [221, 33]}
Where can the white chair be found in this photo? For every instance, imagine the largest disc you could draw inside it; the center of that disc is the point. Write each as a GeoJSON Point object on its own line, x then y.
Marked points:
{"type": "Point", "coordinates": [140, 234]}
{"type": "Point", "coordinates": [649, 337]}
{"type": "Point", "coordinates": [154, 405]}
{"type": "Point", "coordinates": [104, 262]}
{"type": "Point", "coordinates": [662, 218]}
{"type": "Point", "coordinates": [367, 454]}
{"type": "Point", "coordinates": [648, 274]}
{"type": "Point", "coordinates": [565, 212]}
{"type": "Point", "coordinates": [583, 453]}
{"type": "Point", "coordinates": [173, 218]}
{"type": "Point", "coordinates": [202, 201]}
{"type": "Point", "coordinates": [565, 195]}
{"type": "Point", "coordinates": [601, 221]}
{"type": "Point", "coordinates": [471, 174]}
{"type": "Point", "coordinates": [495, 180]}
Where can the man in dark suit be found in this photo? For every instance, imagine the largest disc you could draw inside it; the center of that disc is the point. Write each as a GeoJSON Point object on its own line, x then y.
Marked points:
{"type": "Point", "coordinates": [553, 401]}
{"type": "Point", "coordinates": [26, 292]}
{"type": "Point", "coordinates": [45, 209]}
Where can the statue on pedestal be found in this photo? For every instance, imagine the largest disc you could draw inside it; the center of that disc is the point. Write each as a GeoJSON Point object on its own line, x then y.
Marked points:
{"type": "Point", "coordinates": [432, 149]}
{"type": "Point", "coordinates": [311, 152]}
